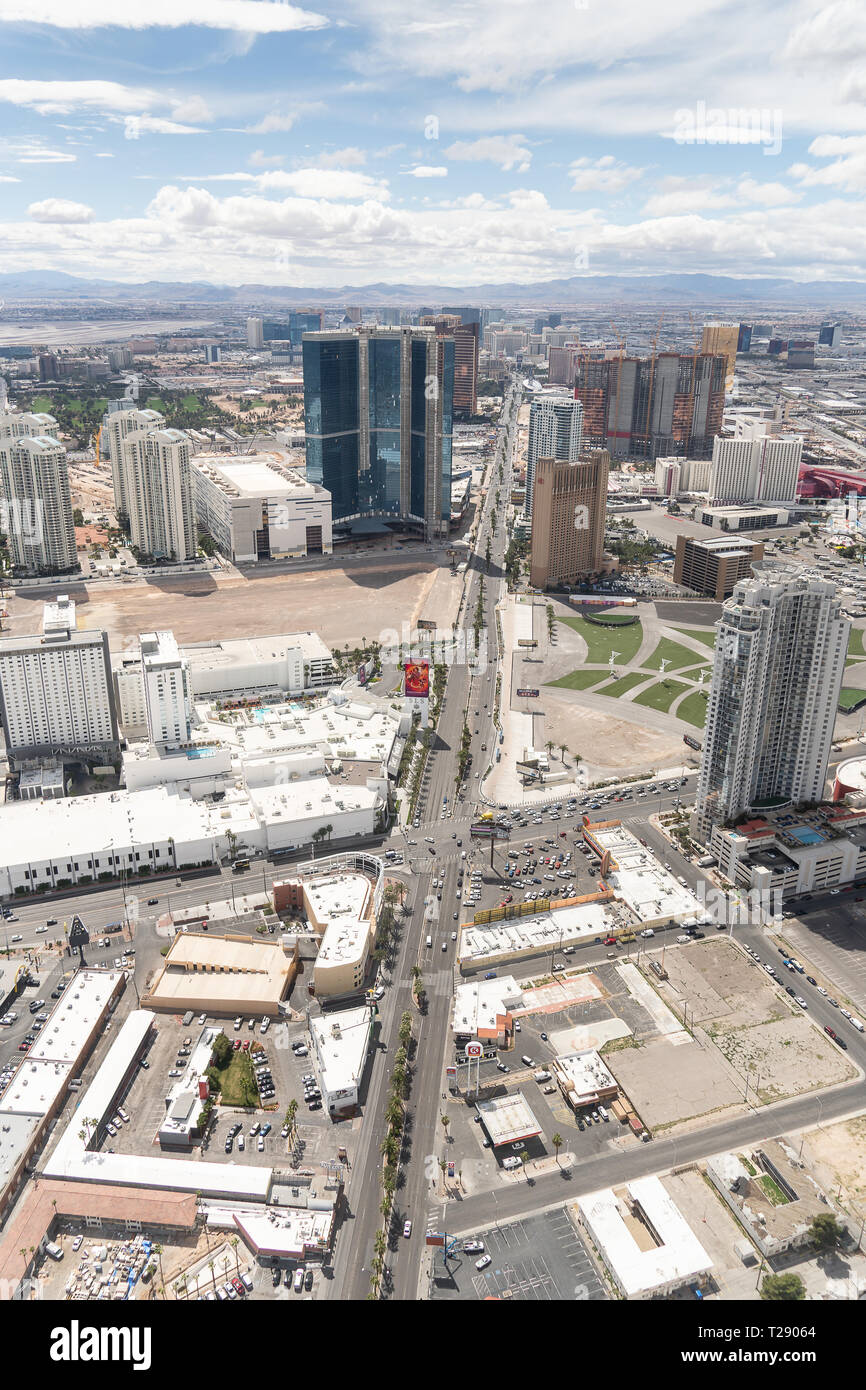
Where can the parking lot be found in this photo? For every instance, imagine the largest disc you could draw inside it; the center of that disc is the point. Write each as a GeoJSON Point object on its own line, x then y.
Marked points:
{"type": "Point", "coordinates": [834, 940]}
{"type": "Point", "coordinates": [144, 1101]}
{"type": "Point", "coordinates": [539, 1259]}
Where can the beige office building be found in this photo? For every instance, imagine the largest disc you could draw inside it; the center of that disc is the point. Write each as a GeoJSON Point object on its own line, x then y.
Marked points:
{"type": "Point", "coordinates": [224, 974]}
{"type": "Point", "coordinates": [712, 566]}
{"type": "Point", "coordinates": [568, 518]}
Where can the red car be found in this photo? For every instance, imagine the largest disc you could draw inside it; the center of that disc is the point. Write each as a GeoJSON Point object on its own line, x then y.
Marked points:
{"type": "Point", "coordinates": [23, 1047]}
{"type": "Point", "coordinates": [562, 835]}
{"type": "Point", "coordinates": [238, 1287]}
{"type": "Point", "coordinates": [236, 1044]}
{"type": "Point", "coordinates": [245, 1045]}
{"type": "Point", "coordinates": [610, 941]}
{"type": "Point", "coordinates": [510, 898]}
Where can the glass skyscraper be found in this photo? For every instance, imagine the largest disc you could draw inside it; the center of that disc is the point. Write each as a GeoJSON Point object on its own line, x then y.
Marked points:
{"type": "Point", "coordinates": [378, 416]}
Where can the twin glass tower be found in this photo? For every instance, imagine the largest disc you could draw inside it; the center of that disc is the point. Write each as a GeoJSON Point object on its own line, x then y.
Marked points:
{"type": "Point", "coordinates": [378, 405]}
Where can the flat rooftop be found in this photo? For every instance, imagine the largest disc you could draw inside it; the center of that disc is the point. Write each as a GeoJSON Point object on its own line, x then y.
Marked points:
{"type": "Point", "coordinates": [234, 969]}
{"type": "Point", "coordinates": [638, 1264]}
{"type": "Point", "coordinates": [255, 475]}
{"type": "Point", "coordinates": [74, 1016]}
{"type": "Point", "coordinates": [508, 1119]}
{"type": "Point", "coordinates": [340, 1044]}
{"type": "Point", "coordinates": [638, 878]}
{"type": "Point", "coordinates": [584, 1072]}
{"type": "Point", "coordinates": [241, 651]}
{"type": "Point", "coordinates": [288, 1234]}
{"type": "Point", "coordinates": [354, 732]}
{"type": "Point", "coordinates": [479, 1006]}
{"type": "Point", "coordinates": [534, 935]}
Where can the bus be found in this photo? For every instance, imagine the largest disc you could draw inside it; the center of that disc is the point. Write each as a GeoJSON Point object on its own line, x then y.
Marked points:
{"type": "Point", "coordinates": [240, 865]}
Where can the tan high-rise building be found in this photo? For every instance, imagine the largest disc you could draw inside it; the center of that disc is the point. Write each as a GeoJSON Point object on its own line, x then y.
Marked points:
{"type": "Point", "coordinates": [568, 518]}
{"type": "Point", "coordinates": [721, 340]}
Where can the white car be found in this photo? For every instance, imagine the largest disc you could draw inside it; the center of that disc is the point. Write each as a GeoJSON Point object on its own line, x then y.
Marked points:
{"type": "Point", "coordinates": [483, 1262]}
{"type": "Point", "coordinates": [648, 931]}
{"type": "Point", "coordinates": [76, 1244]}
{"type": "Point", "coordinates": [40, 931]}
{"type": "Point", "coordinates": [407, 1229]}
{"type": "Point", "coordinates": [802, 1002]}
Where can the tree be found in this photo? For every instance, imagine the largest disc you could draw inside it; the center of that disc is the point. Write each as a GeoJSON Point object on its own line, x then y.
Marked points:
{"type": "Point", "coordinates": [524, 1159]}
{"type": "Point", "coordinates": [556, 1141]}
{"type": "Point", "coordinates": [825, 1232]}
{"type": "Point", "coordinates": [446, 1120]}
{"type": "Point", "coordinates": [783, 1288]}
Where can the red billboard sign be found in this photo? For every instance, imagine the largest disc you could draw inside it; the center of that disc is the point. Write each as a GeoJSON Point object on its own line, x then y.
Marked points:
{"type": "Point", "coordinates": [528, 694]}
{"type": "Point", "coordinates": [416, 679]}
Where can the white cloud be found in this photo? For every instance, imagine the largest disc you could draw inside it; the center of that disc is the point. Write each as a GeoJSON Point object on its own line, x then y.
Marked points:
{"type": "Point", "coordinates": [276, 121]}
{"type": "Point", "coordinates": [60, 210]}
{"type": "Point", "coordinates": [103, 154]}
{"type": "Point", "coordinates": [508, 151]}
{"type": "Point", "coordinates": [35, 154]}
{"type": "Point", "coordinates": [427, 171]}
{"type": "Point", "coordinates": [325, 183]}
{"type": "Point", "coordinates": [768, 195]}
{"type": "Point", "coordinates": [848, 169]}
{"type": "Point", "coordinates": [677, 195]}
{"type": "Point", "coordinates": [58, 97]}
{"type": "Point", "coordinates": [8, 178]}
{"type": "Point", "coordinates": [350, 157]}
{"type": "Point", "coordinates": [259, 160]}
{"type": "Point", "coordinates": [192, 108]}
{"type": "Point", "coordinates": [136, 126]}
{"type": "Point", "coordinates": [604, 175]}
{"type": "Point", "coordinates": [251, 16]}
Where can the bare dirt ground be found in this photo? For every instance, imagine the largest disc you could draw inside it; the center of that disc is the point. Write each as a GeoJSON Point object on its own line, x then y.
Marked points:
{"type": "Point", "coordinates": [722, 984]}
{"type": "Point", "coordinates": [668, 1084]}
{"type": "Point", "coordinates": [837, 1153]}
{"type": "Point", "coordinates": [786, 1058]}
{"type": "Point", "coordinates": [341, 605]}
{"type": "Point", "coordinates": [607, 745]}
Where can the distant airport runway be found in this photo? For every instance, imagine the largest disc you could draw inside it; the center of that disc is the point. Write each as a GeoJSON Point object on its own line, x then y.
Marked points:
{"type": "Point", "coordinates": [48, 334]}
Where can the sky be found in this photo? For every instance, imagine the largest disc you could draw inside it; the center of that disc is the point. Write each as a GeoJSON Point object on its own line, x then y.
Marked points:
{"type": "Point", "coordinates": [457, 142]}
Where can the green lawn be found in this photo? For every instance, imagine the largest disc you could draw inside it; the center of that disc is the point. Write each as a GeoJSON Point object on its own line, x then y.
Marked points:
{"type": "Point", "coordinates": [579, 680]}
{"type": "Point", "coordinates": [602, 641]}
{"type": "Point", "coordinates": [661, 695]}
{"type": "Point", "coordinates": [154, 403]}
{"type": "Point", "coordinates": [855, 641]}
{"type": "Point", "coordinates": [673, 653]}
{"type": "Point", "coordinates": [849, 698]}
{"type": "Point", "coordinates": [616, 619]}
{"type": "Point", "coordinates": [700, 634]}
{"type": "Point", "coordinates": [237, 1084]}
{"type": "Point", "coordinates": [623, 684]}
{"type": "Point", "coordinates": [694, 709]}
{"type": "Point", "coordinates": [853, 661]}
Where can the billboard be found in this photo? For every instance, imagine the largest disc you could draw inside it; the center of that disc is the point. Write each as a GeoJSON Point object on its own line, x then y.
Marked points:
{"type": "Point", "coordinates": [416, 679]}
{"type": "Point", "coordinates": [486, 830]}
{"type": "Point", "coordinates": [692, 742]}
{"type": "Point", "coordinates": [526, 642]}
{"type": "Point", "coordinates": [362, 675]}
{"type": "Point", "coordinates": [425, 625]}
{"type": "Point", "coordinates": [528, 694]}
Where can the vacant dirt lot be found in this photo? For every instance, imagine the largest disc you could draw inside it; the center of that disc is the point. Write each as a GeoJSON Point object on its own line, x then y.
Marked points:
{"type": "Point", "coordinates": [342, 605]}
{"type": "Point", "coordinates": [837, 1153]}
{"type": "Point", "coordinates": [721, 983]}
{"type": "Point", "coordinates": [667, 1083]}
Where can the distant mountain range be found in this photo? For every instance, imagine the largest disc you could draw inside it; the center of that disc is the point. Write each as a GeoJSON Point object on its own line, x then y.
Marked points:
{"type": "Point", "coordinates": [581, 291]}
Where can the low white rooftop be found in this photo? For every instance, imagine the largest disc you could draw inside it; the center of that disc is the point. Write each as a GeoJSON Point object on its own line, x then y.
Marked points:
{"type": "Point", "coordinates": [74, 1016]}
{"type": "Point", "coordinates": [357, 732]}
{"type": "Point", "coordinates": [535, 934]}
{"type": "Point", "coordinates": [640, 880]}
{"type": "Point", "coordinates": [508, 1119]}
{"type": "Point", "coordinates": [290, 1234]}
{"type": "Point", "coordinates": [340, 1043]}
{"type": "Point", "coordinates": [479, 1004]}
{"type": "Point", "coordinates": [584, 1072]}
{"type": "Point", "coordinates": [677, 1259]}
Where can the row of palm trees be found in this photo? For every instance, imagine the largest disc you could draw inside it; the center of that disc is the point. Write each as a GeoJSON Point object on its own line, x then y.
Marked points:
{"type": "Point", "coordinates": [395, 1116]}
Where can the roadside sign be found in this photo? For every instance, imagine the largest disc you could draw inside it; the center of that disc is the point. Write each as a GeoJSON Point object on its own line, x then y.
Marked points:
{"type": "Point", "coordinates": [528, 694]}
{"type": "Point", "coordinates": [474, 1049]}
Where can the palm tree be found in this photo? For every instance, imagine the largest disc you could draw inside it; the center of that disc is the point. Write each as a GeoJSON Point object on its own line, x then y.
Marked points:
{"type": "Point", "coordinates": [549, 746]}
{"type": "Point", "coordinates": [556, 1141]}
{"type": "Point", "coordinates": [210, 1265]}
{"type": "Point", "coordinates": [445, 1123]}
{"type": "Point", "coordinates": [234, 1244]}
{"type": "Point", "coordinates": [562, 751]}
{"type": "Point", "coordinates": [524, 1159]}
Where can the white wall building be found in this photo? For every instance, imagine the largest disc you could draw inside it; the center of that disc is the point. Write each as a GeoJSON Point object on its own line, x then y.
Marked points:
{"type": "Point", "coordinates": [644, 1240]}
{"type": "Point", "coordinates": [255, 333]}
{"type": "Point", "coordinates": [756, 469]}
{"type": "Point", "coordinates": [167, 692]}
{"type": "Point", "coordinates": [341, 1042]}
{"type": "Point", "coordinates": [156, 480]}
{"type": "Point", "coordinates": [675, 475]}
{"type": "Point", "coordinates": [116, 427]}
{"type": "Point", "coordinates": [256, 509]}
{"type": "Point", "coordinates": [290, 664]}
{"type": "Point", "coordinates": [56, 692]}
{"type": "Point", "coordinates": [35, 501]}
{"type": "Point", "coordinates": [777, 672]}
{"type": "Point", "coordinates": [555, 432]}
